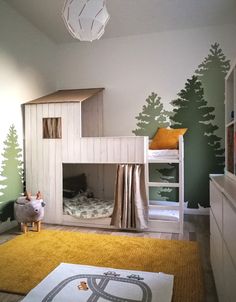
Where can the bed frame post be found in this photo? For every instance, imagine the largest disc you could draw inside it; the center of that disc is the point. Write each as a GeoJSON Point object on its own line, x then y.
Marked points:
{"type": "Point", "coordinates": [146, 167]}
{"type": "Point", "coordinates": [181, 183]}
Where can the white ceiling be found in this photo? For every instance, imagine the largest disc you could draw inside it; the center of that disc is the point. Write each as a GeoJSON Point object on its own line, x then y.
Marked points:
{"type": "Point", "coordinates": [132, 17]}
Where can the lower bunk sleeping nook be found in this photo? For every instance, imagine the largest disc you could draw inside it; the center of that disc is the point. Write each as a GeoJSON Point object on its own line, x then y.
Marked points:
{"type": "Point", "coordinates": [105, 195]}
{"type": "Point", "coordinates": [88, 193]}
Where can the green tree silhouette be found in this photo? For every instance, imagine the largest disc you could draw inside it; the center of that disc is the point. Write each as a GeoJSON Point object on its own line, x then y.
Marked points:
{"type": "Point", "coordinates": [203, 153]}
{"type": "Point", "coordinates": [152, 117]}
{"type": "Point", "coordinates": [211, 72]}
{"type": "Point", "coordinates": [11, 171]}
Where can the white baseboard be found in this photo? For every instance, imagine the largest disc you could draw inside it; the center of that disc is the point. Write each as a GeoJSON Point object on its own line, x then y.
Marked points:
{"type": "Point", "coordinates": [199, 211]}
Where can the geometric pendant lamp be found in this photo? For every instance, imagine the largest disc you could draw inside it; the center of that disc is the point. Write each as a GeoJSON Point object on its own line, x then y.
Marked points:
{"type": "Point", "coordinates": [85, 19]}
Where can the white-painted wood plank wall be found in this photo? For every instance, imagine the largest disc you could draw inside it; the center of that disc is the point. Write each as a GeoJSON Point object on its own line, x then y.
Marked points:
{"type": "Point", "coordinates": [92, 117]}
{"type": "Point", "coordinates": [58, 171]}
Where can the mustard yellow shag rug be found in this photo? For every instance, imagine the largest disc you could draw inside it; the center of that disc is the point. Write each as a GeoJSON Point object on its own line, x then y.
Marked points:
{"type": "Point", "coordinates": [27, 259]}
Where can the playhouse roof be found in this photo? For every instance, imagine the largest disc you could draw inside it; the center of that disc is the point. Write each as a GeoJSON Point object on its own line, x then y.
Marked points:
{"type": "Point", "coordinates": [64, 96]}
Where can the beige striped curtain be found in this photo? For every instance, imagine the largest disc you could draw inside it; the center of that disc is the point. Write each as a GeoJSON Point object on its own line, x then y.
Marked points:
{"type": "Point", "coordinates": [131, 205]}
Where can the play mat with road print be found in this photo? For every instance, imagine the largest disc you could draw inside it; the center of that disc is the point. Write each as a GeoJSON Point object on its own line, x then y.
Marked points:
{"type": "Point", "coordinates": [72, 282]}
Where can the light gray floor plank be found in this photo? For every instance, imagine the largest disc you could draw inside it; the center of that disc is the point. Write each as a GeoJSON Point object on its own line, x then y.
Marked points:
{"type": "Point", "coordinates": [4, 297]}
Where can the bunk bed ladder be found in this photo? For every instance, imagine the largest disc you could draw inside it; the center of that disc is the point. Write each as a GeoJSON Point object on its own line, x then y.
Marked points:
{"type": "Point", "coordinates": [165, 225]}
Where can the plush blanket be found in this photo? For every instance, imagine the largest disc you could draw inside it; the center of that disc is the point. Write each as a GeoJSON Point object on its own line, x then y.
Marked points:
{"type": "Point", "coordinates": [84, 207]}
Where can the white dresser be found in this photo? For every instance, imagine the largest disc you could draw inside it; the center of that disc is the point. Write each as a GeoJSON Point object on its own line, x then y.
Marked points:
{"type": "Point", "coordinates": [223, 236]}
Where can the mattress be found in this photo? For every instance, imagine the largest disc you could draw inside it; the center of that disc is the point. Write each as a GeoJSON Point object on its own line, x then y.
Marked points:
{"type": "Point", "coordinates": [152, 154]}
{"type": "Point", "coordinates": [167, 215]}
{"type": "Point", "coordinates": [83, 207]}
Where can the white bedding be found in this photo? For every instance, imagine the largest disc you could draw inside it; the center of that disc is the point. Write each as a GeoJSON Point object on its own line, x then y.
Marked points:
{"type": "Point", "coordinates": [163, 153]}
{"type": "Point", "coordinates": [83, 207]}
{"type": "Point", "coordinates": [167, 215]}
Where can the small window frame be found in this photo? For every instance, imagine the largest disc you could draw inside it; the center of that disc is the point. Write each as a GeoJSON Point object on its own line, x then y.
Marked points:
{"type": "Point", "coordinates": [52, 127]}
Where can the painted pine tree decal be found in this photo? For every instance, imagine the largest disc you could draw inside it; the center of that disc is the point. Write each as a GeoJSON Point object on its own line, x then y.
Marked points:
{"type": "Point", "coordinates": [11, 172]}
{"type": "Point", "coordinates": [203, 154]}
{"type": "Point", "coordinates": [211, 72]}
{"type": "Point", "coordinates": [152, 117]}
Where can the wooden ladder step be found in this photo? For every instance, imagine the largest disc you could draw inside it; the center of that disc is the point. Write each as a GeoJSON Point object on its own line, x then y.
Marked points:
{"type": "Point", "coordinates": [164, 207]}
{"type": "Point", "coordinates": [163, 184]}
{"type": "Point", "coordinates": [164, 160]}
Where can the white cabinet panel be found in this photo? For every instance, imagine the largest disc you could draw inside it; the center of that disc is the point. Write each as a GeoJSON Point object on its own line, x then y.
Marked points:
{"type": "Point", "coordinates": [216, 204]}
{"type": "Point", "coordinates": [229, 229]}
{"type": "Point", "coordinates": [222, 237]}
{"type": "Point", "coordinates": [216, 250]}
{"type": "Point", "coordinates": [229, 277]}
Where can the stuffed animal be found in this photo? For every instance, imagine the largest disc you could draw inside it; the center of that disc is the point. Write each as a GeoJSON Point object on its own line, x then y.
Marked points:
{"type": "Point", "coordinates": [28, 196]}
{"type": "Point", "coordinates": [29, 209]}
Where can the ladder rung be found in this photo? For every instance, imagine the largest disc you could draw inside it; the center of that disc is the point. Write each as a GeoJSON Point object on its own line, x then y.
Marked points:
{"type": "Point", "coordinates": [164, 160]}
{"type": "Point", "coordinates": [160, 207]}
{"type": "Point", "coordinates": [163, 184]}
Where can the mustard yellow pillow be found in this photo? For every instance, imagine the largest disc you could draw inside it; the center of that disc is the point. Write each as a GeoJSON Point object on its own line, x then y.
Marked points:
{"type": "Point", "coordinates": [166, 138]}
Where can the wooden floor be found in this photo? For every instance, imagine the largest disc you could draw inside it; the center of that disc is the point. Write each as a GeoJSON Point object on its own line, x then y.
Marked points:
{"type": "Point", "coordinates": [196, 228]}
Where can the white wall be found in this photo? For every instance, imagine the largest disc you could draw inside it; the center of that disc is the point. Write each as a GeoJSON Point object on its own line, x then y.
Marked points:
{"type": "Point", "coordinates": [26, 67]}
{"type": "Point", "coordinates": [131, 68]}
{"type": "Point", "coordinates": [26, 71]}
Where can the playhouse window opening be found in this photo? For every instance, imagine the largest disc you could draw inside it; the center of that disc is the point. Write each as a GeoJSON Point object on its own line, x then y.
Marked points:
{"type": "Point", "coordinates": [52, 127]}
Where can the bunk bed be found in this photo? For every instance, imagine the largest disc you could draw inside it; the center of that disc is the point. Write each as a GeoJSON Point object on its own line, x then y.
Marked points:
{"type": "Point", "coordinates": [163, 216]}
{"type": "Point", "coordinates": [66, 128]}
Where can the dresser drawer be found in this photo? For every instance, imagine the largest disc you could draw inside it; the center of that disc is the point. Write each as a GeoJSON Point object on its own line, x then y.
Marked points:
{"type": "Point", "coordinates": [216, 254]}
{"type": "Point", "coordinates": [216, 202]}
{"type": "Point", "coordinates": [229, 229]}
{"type": "Point", "coordinates": [229, 277]}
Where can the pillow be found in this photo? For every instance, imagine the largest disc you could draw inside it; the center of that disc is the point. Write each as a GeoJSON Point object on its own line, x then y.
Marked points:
{"type": "Point", "coordinates": [69, 193]}
{"type": "Point", "coordinates": [73, 185]}
{"type": "Point", "coordinates": [166, 138]}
